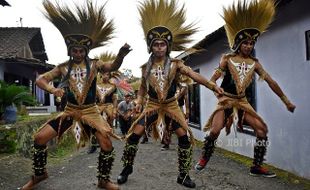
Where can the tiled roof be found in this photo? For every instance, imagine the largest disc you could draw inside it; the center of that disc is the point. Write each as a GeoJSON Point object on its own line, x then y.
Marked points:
{"type": "Point", "coordinates": [13, 41]}
{"type": "Point", "coordinates": [26, 61]}
{"type": "Point", "coordinates": [220, 32]}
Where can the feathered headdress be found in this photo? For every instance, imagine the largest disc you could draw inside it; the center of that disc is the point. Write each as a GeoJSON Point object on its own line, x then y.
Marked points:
{"type": "Point", "coordinates": [107, 57]}
{"type": "Point", "coordinates": [85, 26]}
{"type": "Point", "coordinates": [162, 20]}
{"type": "Point", "coordinates": [116, 77]}
{"type": "Point", "coordinates": [246, 20]}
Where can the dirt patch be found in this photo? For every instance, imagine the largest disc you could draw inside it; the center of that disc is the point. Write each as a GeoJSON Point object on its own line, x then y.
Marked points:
{"type": "Point", "coordinates": [13, 169]}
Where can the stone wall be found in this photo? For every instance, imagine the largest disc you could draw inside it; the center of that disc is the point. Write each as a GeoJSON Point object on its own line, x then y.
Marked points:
{"type": "Point", "coordinates": [18, 137]}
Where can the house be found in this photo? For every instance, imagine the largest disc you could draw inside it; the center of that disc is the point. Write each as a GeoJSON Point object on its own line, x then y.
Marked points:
{"type": "Point", "coordinates": [23, 58]}
{"type": "Point", "coordinates": [284, 52]}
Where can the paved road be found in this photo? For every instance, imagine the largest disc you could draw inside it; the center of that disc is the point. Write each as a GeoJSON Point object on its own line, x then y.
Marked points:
{"type": "Point", "coordinates": [153, 170]}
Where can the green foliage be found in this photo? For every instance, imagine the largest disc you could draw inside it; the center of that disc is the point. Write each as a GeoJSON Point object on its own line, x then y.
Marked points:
{"type": "Point", "coordinates": [24, 132]}
{"type": "Point", "coordinates": [66, 146]}
{"type": "Point", "coordinates": [14, 95]}
{"type": "Point", "coordinates": [8, 141]}
{"type": "Point", "coordinates": [18, 138]}
{"type": "Point", "coordinates": [8, 146]}
{"type": "Point", "coordinates": [136, 84]}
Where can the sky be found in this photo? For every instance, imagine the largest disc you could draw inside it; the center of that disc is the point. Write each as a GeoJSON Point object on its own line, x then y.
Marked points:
{"type": "Point", "coordinates": [205, 13]}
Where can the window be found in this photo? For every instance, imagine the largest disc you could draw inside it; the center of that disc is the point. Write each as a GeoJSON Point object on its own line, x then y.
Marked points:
{"type": "Point", "coordinates": [307, 34]}
{"type": "Point", "coordinates": [194, 105]}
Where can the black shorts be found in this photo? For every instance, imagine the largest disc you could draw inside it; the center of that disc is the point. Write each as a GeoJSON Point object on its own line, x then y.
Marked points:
{"type": "Point", "coordinates": [151, 119]}
{"type": "Point", "coordinates": [66, 123]}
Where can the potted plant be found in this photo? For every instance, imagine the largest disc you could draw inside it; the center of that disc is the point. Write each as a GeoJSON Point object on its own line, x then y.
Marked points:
{"type": "Point", "coordinates": [11, 98]}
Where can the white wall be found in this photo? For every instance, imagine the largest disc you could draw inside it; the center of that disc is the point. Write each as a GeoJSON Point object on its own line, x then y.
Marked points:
{"type": "Point", "coordinates": [285, 59]}
{"type": "Point", "coordinates": [282, 53]}
{"type": "Point", "coordinates": [206, 62]}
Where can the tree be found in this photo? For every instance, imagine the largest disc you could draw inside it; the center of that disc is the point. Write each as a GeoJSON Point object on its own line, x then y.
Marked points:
{"type": "Point", "coordinates": [127, 73]}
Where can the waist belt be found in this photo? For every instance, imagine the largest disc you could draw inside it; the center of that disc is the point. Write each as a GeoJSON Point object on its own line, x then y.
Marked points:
{"type": "Point", "coordinates": [162, 101]}
{"type": "Point", "coordinates": [234, 95]}
{"type": "Point", "coordinates": [84, 106]}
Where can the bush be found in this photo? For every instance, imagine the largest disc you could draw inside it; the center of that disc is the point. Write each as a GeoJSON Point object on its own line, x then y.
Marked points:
{"type": "Point", "coordinates": [13, 95]}
{"type": "Point", "coordinates": [18, 137]}
{"type": "Point", "coordinates": [8, 140]}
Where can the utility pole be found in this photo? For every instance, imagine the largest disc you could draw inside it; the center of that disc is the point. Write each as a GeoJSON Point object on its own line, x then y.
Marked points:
{"type": "Point", "coordinates": [21, 21]}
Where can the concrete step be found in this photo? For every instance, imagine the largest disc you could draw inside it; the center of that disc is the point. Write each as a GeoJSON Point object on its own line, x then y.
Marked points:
{"type": "Point", "coordinates": [39, 110]}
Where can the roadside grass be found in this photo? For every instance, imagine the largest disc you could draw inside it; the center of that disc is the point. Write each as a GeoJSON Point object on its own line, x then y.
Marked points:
{"type": "Point", "coordinates": [56, 151]}
{"type": "Point", "coordinates": [282, 174]}
{"type": "Point", "coordinates": [65, 148]}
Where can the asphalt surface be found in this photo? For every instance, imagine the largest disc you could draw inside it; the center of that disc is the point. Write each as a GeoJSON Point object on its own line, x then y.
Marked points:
{"type": "Point", "coordinates": [153, 170]}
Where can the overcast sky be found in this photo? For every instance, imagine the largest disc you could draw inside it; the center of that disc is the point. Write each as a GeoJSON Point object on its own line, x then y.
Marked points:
{"type": "Point", "coordinates": [206, 13]}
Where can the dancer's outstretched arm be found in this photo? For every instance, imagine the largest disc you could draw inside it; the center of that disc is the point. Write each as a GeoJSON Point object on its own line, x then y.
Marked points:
{"type": "Point", "coordinates": [199, 78]}
{"type": "Point", "coordinates": [274, 87]}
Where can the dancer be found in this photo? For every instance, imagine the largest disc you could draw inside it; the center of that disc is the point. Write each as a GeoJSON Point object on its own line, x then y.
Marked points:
{"type": "Point", "coordinates": [83, 30]}
{"type": "Point", "coordinates": [243, 29]}
{"type": "Point", "coordinates": [106, 98]}
{"type": "Point", "coordinates": [182, 97]}
{"type": "Point", "coordinates": [136, 114]}
{"type": "Point", "coordinates": [164, 32]}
